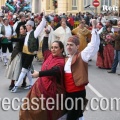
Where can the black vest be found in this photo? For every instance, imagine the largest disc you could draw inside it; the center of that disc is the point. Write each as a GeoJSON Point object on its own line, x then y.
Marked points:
{"type": "Point", "coordinates": [32, 43]}
{"type": "Point", "coordinates": [3, 29]}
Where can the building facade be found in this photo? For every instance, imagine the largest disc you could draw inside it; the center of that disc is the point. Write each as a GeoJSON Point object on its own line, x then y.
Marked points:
{"type": "Point", "coordinates": [75, 6]}
{"type": "Point", "coordinates": [2, 3]}
{"type": "Point", "coordinates": [69, 6]}
{"type": "Point", "coordinates": [36, 6]}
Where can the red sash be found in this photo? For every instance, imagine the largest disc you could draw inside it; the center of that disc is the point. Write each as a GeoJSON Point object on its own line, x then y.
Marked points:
{"type": "Point", "coordinates": [70, 85]}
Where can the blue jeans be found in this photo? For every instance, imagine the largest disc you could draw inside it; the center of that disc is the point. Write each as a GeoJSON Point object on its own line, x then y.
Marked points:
{"type": "Point", "coordinates": [116, 60]}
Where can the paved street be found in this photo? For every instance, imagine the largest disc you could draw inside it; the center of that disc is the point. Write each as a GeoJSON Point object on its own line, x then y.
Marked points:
{"type": "Point", "coordinates": [102, 85]}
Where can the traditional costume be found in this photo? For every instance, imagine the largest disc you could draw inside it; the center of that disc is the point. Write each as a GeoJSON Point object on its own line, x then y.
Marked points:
{"type": "Point", "coordinates": [105, 56]}
{"type": "Point", "coordinates": [62, 35]}
{"type": "Point", "coordinates": [76, 75]}
{"type": "Point", "coordinates": [15, 64]}
{"type": "Point", "coordinates": [49, 84]}
{"type": "Point", "coordinates": [29, 50]}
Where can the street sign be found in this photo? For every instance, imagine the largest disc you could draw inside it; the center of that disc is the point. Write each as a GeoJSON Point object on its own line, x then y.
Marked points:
{"type": "Point", "coordinates": [96, 3]}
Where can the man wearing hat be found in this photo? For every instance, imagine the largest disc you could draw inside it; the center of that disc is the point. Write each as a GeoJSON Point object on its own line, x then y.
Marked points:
{"type": "Point", "coordinates": [29, 50]}
{"type": "Point", "coordinates": [76, 72]}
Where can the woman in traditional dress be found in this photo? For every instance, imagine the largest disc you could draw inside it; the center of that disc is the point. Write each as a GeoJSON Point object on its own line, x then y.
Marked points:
{"type": "Point", "coordinates": [62, 34]}
{"type": "Point", "coordinates": [84, 35]}
{"type": "Point", "coordinates": [49, 84]}
{"type": "Point", "coordinates": [14, 65]}
{"type": "Point", "coordinates": [105, 54]}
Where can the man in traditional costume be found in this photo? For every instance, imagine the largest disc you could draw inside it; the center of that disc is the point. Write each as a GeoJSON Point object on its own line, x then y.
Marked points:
{"type": "Point", "coordinates": [76, 72]}
{"type": "Point", "coordinates": [29, 50]}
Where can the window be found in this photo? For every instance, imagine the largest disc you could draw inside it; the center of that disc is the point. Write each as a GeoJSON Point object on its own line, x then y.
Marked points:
{"type": "Point", "coordinates": [106, 2]}
{"type": "Point", "coordinates": [48, 4]}
{"type": "Point", "coordinates": [86, 3]}
{"type": "Point", "coordinates": [74, 4]}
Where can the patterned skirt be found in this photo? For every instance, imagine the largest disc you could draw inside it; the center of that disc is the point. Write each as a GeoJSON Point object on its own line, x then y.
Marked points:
{"type": "Point", "coordinates": [14, 68]}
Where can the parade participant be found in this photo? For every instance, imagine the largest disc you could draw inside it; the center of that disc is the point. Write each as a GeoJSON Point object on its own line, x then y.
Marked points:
{"type": "Point", "coordinates": [104, 28]}
{"type": "Point", "coordinates": [63, 19]}
{"type": "Point", "coordinates": [16, 28]}
{"type": "Point", "coordinates": [71, 21]}
{"type": "Point", "coordinates": [49, 84]}
{"type": "Point", "coordinates": [76, 71]}
{"type": "Point", "coordinates": [83, 34]}
{"type": "Point", "coordinates": [105, 55]}
{"type": "Point", "coordinates": [5, 32]}
{"type": "Point", "coordinates": [117, 51]}
{"type": "Point", "coordinates": [14, 65]}
{"type": "Point", "coordinates": [62, 33]}
{"type": "Point", "coordinates": [29, 50]}
{"type": "Point", "coordinates": [101, 19]}
{"type": "Point", "coordinates": [22, 21]}
{"type": "Point", "coordinates": [76, 66]}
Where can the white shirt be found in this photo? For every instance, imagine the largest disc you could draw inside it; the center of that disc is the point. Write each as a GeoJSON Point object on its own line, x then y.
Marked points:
{"type": "Point", "coordinates": [67, 67]}
{"type": "Point", "coordinates": [8, 31]}
{"type": "Point", "coordinates": [88, 52]}
{"type": "Point", "coordinates": [27, 37]}
{"type": "Point", "coordinates": [15, 25]}
{"type": "Point", "coordinates": [38, 30]}
{"type": "Point", "coordinates": [92, 47]}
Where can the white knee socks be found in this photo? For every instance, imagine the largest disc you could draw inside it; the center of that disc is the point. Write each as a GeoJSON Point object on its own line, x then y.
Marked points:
{"type": "Point", "coordinates": [1, 54]}
{"type": "Point", "coordinates": [30, 77]}
{"type": "Point", "coordinates": [21, 76]}
{"type": "Point", "coordinates": [5, 57]}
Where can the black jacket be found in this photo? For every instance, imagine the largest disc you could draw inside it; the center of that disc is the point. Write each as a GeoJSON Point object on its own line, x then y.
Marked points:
{"type": "Point", "coordinates": [19, 45]}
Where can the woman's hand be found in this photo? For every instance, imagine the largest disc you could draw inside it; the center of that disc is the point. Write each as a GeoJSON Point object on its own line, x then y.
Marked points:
{"type": "Point", "coordinates": [35, 74]}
